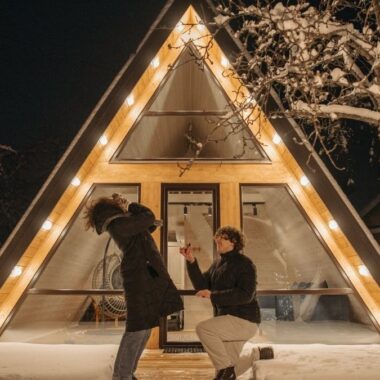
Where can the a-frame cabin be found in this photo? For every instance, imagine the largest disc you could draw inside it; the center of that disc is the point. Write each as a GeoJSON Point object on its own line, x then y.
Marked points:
{"type": "Point", "coordinates": [318, 265]}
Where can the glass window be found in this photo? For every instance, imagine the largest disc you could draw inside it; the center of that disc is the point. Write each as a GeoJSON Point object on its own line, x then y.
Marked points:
{"type": "Point", "coordinates": [181, 325]}
{"type": "Point", "coordinates": [188, 109]}
{"type": "Point", "coordinates": [190, 221]}
{"type": "Point", "coordinates": [289, 256]}
{"type": "Point", "coordinates": [63, 319]}
{"type": "Point", "coordinates": [82, 260]}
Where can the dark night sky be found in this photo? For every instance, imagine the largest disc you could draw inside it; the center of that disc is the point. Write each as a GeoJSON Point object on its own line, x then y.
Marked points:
{"type": "Point", "coordinates": [57, 59]}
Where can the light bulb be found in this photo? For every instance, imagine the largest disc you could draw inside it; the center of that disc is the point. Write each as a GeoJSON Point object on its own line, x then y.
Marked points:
{"type": "Point", "coordinates": [363, 270]}
{"type": "Point", "coordinates": [224, 62]}
{"type": "Point", "coordinates": [276, 139]}
{"type": "Point", "coordinates": [155, 62]}
{"type": "Point", "coordinates": [304, 180]}
{"type": "Point", "coordinates": [75, 181]}
{"type": "Point", "coordinates": [130, 100]}
{"type": "Point", "coordinates": [103, 140]}
{"type": "Point", "coordinates": [16, 271]}
{"type": "Point", "coordinates": [333, 224]}
{"type": "Point", "coordinates": [47, 225]}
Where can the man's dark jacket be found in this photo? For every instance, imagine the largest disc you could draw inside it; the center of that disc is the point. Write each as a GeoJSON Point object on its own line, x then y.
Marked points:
{"type": "Point", "coordinates": [232, 282]}
{"type": "Point", "coordinates": [149, 291]}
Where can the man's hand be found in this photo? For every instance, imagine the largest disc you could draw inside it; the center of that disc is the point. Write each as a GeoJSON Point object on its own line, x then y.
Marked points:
{"type": "Point", "coordinates": [204, 293]}
{"type": "Point", "coordinates": [187, 253]}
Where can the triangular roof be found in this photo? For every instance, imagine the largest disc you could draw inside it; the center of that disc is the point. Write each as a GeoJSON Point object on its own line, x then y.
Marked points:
{"type": "Point", "coordinates": [108, 115]}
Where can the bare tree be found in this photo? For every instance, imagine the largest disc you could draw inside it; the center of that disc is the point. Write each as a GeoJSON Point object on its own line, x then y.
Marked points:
{"type": "Point", "coordinates": [322, 59]}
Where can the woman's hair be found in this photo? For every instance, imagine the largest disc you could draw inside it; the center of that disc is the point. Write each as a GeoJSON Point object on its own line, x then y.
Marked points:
{"type": "Point", "coordinates": [99, 205]}
{"type": "Point", "coordinates": [233, 235]}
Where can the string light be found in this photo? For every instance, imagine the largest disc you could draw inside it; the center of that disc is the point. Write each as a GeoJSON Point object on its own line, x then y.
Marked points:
{"type": "Point", "coordinates": [47, 225]}
{"type": "Point", "coordinates": [130, 100]}
{"type": "Point", "coordinates": [103, 140]}
{"type": "Point", "coordinates": [75, 181]}
{"type": "Point", "coordinates": [363, 270]}
{"type": "Point", "coordinates": [16, 271]}
{"type": "Point", "coordinates": [304, 180]}
{"type": "Point", "coordinates": [155, 62]}
{"type": "Point", "coordinates": [333, 224]}
{"type": "Point", "coordinates": [224, 62]}
{"type": "Point", "coordinates": [276, 139]}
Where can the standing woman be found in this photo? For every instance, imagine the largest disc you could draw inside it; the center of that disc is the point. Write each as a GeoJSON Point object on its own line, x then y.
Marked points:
{"type": "Point", "coordinates": [149, 291]}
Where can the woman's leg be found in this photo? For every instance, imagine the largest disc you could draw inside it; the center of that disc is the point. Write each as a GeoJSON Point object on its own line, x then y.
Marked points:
{"type": "Point", "coordinates": [141, 348]}
{"type": "Point", "coordinates": [129, 353]}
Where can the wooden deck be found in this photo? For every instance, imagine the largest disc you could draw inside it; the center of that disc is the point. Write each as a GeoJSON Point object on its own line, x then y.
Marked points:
{"type": "Point", "coordinates": [156, 365]}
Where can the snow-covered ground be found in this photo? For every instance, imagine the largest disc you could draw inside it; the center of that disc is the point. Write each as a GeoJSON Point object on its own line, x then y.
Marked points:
{"type": "Point", "coordinates": [292, 362]}
{"type": "Point", "coordinates": [318, 361]}
{"type": "Point", "coordinates": [27, 361]}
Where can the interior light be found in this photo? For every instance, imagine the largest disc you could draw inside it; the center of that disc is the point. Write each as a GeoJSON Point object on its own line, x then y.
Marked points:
{"type": "Point", "coordinates": [276, 139]}
{"type": "Point", "coordinates": [224, 62]}
{"type": "Point", "coordinates": [209, 211]}
{"type": "Point", "coordinates": [180, 27]}
{"type": "Point", "coordinates": [333, 224]}
{"type": "Point", "coordinates": [47, 225]}
{"type": "Point", "coordinates": [304, 180]}
{"type": "Point", "coordinates": [75, 181]}
{"type": "Point", "coordinates": [130, 100]}
{"type": "Point", "coordinates": [16, 271]}
{"type": "Point", "coordinates": [103, 140]}
{"type": "Point", "coordinates": [363, 270]}
{"type": "Point", "coordinates": [155, 62]}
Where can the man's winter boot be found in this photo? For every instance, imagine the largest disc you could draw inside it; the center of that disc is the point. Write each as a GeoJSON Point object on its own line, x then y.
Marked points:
{"type": "Point", "coordinates": [226, 374]}
{"type": "Point", "coordinates": [266, 353]}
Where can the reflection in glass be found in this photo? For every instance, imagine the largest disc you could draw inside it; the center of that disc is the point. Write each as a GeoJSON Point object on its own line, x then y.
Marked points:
{"type": "Point", "coordinates": [181, 328]}
{"type": "Point", "coordinates": [327, 319]}
{"type": "Point", "coordinates": [289, 255]}
{"type": "Point", "coordinates": [62, 320]}
{"type": "Point", "coordinates": [282, 244]}
{"type": "Point", "coordinates": [189, 222]}
{"type": "Point", "coordinates": [187, 109]}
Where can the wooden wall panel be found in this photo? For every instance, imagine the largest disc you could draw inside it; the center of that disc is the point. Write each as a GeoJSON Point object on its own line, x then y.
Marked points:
{"type": "Point", "coordinates": [230, 204]}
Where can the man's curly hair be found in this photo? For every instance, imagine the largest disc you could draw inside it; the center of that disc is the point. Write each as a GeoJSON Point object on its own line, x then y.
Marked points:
{"type": "Point", "coordinates": [233, 235]}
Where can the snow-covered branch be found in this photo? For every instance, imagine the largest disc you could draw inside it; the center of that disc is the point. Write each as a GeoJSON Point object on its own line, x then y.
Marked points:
{"type": "Point", "coordinates": [336, 111]}
{"type": "Point", "coordinates": [324, 62]}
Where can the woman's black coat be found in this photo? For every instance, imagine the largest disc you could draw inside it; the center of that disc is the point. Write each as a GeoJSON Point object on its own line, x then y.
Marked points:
{"type": "Point", "coordinates": [150, 292]}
